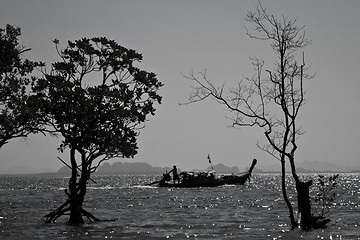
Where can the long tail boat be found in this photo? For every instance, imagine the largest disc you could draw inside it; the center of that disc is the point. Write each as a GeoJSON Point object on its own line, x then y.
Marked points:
{"type": "Point", "coordinates": [193, 179]}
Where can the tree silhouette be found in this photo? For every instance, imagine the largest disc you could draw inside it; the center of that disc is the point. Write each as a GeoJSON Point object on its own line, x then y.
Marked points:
{"type": "Point", "coordinates": [270, 100]}
{"type": "Point", "coordinates": [19, 112]}
{"type": "Point", "coordinates": [97, 99]}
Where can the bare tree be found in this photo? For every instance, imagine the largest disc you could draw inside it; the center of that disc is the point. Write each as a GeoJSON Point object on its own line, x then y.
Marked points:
{"type": "Point", "coordinates": [270, 99]}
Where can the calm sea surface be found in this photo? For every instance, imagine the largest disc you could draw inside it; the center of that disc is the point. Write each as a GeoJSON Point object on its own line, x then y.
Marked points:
{"type": "Point", "coordinates": [136, 211]}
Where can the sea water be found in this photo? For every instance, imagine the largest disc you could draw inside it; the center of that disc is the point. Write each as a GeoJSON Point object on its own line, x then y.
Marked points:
{"type": "Point", "coordinates": [133, 210]}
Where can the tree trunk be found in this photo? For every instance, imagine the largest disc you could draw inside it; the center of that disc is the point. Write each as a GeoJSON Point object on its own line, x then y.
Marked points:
{"type": "Point", "coordinates": [75, 205]}
{"type": "Point", "coordinates": [286, 199]}
{"type": "Point", "coordinates": [304, 205]}
{"type": "Point", "coordinates": [76, 194]}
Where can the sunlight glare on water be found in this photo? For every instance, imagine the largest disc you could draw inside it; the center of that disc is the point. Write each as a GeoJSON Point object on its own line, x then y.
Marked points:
{"type": "Point", "coordinates": [136, 211]}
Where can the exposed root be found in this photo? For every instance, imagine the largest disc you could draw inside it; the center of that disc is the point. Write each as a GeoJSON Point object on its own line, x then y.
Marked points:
{"type": "Point", "coordinates": [52, 216]}
{"type": "Point", "coordinates": [89, 216]}
{"type": "Point", "coordinates": [64, 209]}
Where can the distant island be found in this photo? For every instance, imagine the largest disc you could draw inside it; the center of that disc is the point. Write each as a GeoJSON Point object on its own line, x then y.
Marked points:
{"type": "Point", "coordinates": [133, 168]}
{"type": "Point", "coordinates": [312, 167]}
{"type": "Point", "coordinates": [123, 168]}
{"type": "Point", "coordinates": [221, 168]}
{"type": "Point", "coordinates": [143, 168]}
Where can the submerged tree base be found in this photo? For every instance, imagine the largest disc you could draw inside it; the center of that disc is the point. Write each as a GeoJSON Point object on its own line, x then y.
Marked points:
{"type": "Point", "coordinates": [320, 222]}
{"type": "Point", "coordinates": [75, 219]}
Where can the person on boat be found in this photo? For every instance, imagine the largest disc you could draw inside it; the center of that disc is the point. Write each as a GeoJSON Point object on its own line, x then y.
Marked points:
{"type": "Point", "coordinates": [175, 174]}
{"type": "Point", "coordinates": [166, 177]}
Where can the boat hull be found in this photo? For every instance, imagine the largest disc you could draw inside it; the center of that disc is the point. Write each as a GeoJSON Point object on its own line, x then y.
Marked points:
{"type": "Point", "coordinates": [204, 179]}
{"type": "Point", "coordinates": [234, 179]}
{"type": "Point", "coordinates": [227, 179]}
{"type": "Point", "coordinates": [214, 183]}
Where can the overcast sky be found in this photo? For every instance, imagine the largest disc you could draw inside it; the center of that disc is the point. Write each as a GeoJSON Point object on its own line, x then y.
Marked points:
{"type": "Point", "coordinates": [175, 36]}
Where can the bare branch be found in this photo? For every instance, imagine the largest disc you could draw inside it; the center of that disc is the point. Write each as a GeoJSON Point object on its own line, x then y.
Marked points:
{"type": "Point", "coordinates": [271, 101]}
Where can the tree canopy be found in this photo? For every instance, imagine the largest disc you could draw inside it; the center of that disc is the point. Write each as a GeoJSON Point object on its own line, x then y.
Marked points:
{"type": "Point", "coordinates": [19, 112]}
{"type": "Point", "coordinates": [97, 99]}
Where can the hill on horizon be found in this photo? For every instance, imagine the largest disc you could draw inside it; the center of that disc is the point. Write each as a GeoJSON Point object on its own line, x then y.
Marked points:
{"type": "Point", "coordinates": [145, 168]}
{"type": "Point", "coordinates": [310, 166]}
{"type": "Point", "coordinates": [124, 168]}
{"type": "Point", "coordinates": [221, 168]}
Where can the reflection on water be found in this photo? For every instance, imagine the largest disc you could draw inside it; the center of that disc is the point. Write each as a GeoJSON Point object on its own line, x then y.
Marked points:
{"type": "Point", "coordinates": [136, 211]}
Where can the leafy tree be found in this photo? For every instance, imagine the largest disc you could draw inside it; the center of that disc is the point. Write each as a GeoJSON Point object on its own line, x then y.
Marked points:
{"type": "Point", "coordinates": [97, 99]}
{"type": "Point", "coordinates": [325, 196]}
{"type": "Point", "coordinates": [19, 114]}
{"type": "Point", "coordinates": [270, 100]}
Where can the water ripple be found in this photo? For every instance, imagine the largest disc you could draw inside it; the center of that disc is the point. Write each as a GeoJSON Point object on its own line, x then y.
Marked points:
{"type": "Point", "coordinates": [255, 211]}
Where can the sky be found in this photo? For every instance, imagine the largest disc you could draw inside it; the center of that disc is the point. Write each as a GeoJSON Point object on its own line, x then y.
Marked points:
{"type": "Point", "coordinates": [177, 36]}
